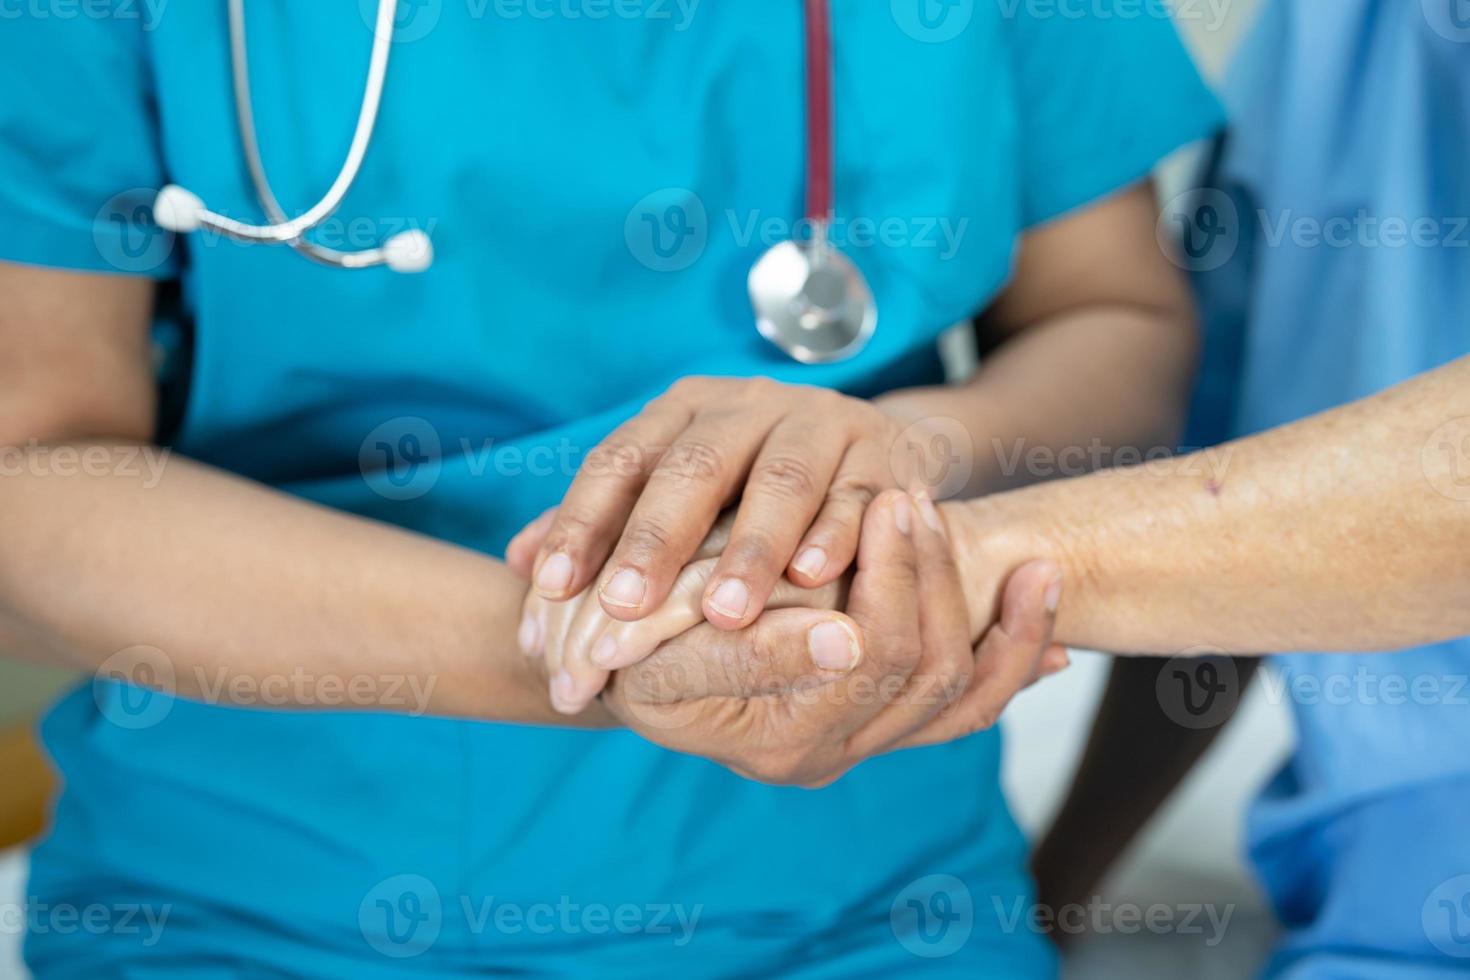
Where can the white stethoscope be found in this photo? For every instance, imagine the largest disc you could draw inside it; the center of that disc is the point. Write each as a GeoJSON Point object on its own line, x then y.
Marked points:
{"type": "Point", "coordinates": [809, 299]}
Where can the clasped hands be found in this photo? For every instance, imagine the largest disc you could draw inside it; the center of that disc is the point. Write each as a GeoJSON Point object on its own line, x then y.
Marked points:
{"type": "Point", "coordinates": [825, 619]}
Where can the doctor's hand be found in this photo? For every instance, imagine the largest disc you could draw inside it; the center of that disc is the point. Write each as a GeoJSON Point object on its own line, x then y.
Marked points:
{"type": "Point", "coordinates": [775, 703]}
{"type": "Point", "coordinates": [804, 463]}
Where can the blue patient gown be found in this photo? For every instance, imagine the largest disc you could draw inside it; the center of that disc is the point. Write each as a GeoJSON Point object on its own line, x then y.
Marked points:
{"type": "Point", "coordinates": [598, 179]}
{"type": "Point", "coordinates": [1345, 230]}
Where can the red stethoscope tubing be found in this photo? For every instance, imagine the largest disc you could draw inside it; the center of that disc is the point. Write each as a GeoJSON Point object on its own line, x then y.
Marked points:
{"type": "Point", "coordinates": [820, 162]}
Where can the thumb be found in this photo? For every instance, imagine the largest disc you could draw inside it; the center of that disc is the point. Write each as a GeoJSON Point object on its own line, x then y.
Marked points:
{"type": "Point", "coordinates": [783, 651]}
{"type": "Point", "coordinates": [1009, 654]}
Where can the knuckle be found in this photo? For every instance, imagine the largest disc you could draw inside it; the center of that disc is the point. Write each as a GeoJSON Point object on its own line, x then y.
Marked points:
{"type": "Point", "coordinates": [646, 538]}
{"type": "Point", "coordinates": [570, 528]}
{"type": "Point", "coordinates": [692, 462]}
{"type": "Point", "coordinates": [752, 549]}
{"type": "Point", "coordinates": [855, 491]}
{"type": "Point", "coordinates": [688, 385]}
{"type": "Point", "coordinates": [789, 478]}
{"type": "Point", "coordinates": [618, 458]}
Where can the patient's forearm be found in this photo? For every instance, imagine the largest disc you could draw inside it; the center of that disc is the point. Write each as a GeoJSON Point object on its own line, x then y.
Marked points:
{"type": "Point", "coordinates": [1346, 531]}
{"type": "Point", "coordinates": [246, 590]}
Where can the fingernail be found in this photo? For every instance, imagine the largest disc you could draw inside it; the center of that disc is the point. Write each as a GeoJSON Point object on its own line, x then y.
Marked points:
{"type": "Point", "coordinates": [833, 646]}
{"type": "Point", "coordinates": [528, 634]}
{"type": "Point", "coordinates": [625, 589]}
{"type": "Point", "coordinates": [604, 651]}
{"type": "Point", "coordinates": [1053, 597]}
{"type": "Point", "coordinates": [555, 576]}
{"type": "Point", "coordinates": [902, 516]}
{"type": "Point", "coordinates": [731, 598]}
{"type": "Point", "coordinates": [810, 562]}
{"type": "Point", "coordinates": [929, 512]}
{"type": "Point", "coordinates": [564, 693]}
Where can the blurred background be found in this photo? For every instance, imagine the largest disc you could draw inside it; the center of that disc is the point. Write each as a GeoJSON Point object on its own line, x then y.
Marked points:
{"type": "Point", "coordinates": [1189, 853]}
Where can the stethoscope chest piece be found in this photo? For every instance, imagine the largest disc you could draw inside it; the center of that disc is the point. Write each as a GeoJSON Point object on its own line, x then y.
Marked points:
{"type": "Point", "coordinates": [811, 301]}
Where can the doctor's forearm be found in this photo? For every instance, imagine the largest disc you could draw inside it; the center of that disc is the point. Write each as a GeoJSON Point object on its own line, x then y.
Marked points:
{"type": "Point", "coordinates": [1345, 531]}
{"type": "Point", "coordinates": [251, 594]}
{"type": "Point", "coordinates": [1096, 352]}
{"type": "Point", "coordinates": [1078, 391]}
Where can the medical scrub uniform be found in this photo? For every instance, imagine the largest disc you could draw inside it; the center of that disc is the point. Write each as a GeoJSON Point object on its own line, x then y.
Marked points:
{"type": "Point", "coordinates": [597, 180]}
{"type": "Point", "coordinates": [1342, 201]}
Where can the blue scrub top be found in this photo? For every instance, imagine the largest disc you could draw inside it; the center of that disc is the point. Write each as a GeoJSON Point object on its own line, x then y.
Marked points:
{"type": "Point", "coordinates": [1346, 269]}
{"type": "Point", "coordinates": [598, 179]}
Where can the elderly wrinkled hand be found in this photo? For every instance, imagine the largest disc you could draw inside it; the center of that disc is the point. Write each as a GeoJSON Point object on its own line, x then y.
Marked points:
{"type": "Point", "coordinates": [803, 694]}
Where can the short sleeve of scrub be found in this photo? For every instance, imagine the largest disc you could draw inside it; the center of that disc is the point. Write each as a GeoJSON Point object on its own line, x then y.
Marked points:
{"type": "Point", "coordinates": [79, 141]}
{"type": "Point", "coordinates": [1107, 89]}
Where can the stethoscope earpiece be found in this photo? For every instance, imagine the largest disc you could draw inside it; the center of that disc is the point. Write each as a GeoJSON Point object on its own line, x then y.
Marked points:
{"type": "Point", "coordinates": [177, 210]}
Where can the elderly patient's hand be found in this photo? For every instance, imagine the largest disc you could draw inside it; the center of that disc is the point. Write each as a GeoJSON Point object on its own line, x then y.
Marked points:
{"type": "Point", "coordinates": [757, 700]}
{"type": "Point", "coordinates": [581, 644]}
